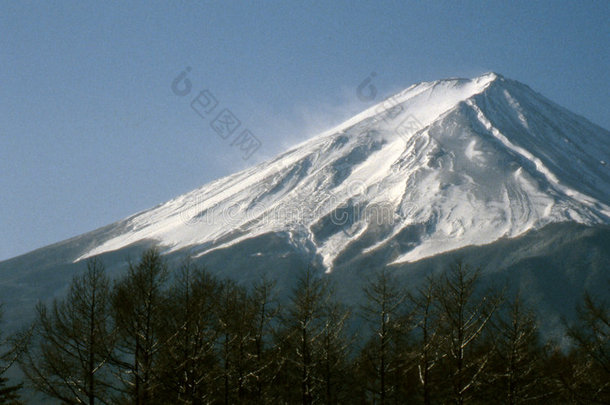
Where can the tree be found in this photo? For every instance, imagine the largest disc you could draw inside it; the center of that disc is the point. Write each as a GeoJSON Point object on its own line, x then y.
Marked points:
{"type": "Point", "coordinates": [9, 394]}
{"type": "Point", "coordinates": [590, 333]}
{"type": "Point", "coordinates": [236, 326]}
{"type": "Point", "coordinates": [73, 341]}
{"type": "Point", "coordinates": [334, 351]}
{"type": "Point", "coordinates": [384, 313]}
{"type": "Point", "coordinates": [188, 362]}
{"type": "Point", "coordinates": [139, 307]}
{"type": "Point", "coordinates": [516, 367]}
{"type": "Point", "coordinates": [266, 312]}
{"type": "Point", "coordinates": [11, 349]}
{"type": "Point", "coordinates": [424, 352]}
{"type": "Point", "coordinates": [308, 341]}
{"type": "Point", "coordinates": [464, 318]}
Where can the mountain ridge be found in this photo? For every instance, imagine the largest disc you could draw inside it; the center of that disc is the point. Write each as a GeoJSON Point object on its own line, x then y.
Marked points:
{"type": "Point", "coordinates": [457, 166]}
{"type": "Point", "coordinates": [334, 169]}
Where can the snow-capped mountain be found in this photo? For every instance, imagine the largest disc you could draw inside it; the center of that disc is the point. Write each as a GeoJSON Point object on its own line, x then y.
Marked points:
{"type": "Point", "coordinates": [459, 162]}
{"type": "Point", "coordinates": [485, 169]}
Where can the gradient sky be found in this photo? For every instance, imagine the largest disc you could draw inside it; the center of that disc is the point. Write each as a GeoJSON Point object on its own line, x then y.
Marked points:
{"type": "Point", "coordinates": [91, 132]}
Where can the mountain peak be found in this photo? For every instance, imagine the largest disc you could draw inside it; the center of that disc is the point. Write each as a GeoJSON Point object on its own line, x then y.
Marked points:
{"type": "Point", "coordinates": [481, 80]}
{"type": "Point", "coordinates": [492, 75]}
{"type": "Point", "coordinates": [438, 166]}
{"type": "Point", "coordinates": [484, 167]}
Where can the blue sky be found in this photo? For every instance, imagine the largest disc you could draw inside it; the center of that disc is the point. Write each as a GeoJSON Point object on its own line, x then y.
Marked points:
{"type": "Point", "coordinates": [91, 132]}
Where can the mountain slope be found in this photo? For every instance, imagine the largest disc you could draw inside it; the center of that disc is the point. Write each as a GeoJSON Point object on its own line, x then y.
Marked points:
{"type": "Point", "coordinates": [482, 168]}
{"type": "Point", "coordinates": [462, 161]}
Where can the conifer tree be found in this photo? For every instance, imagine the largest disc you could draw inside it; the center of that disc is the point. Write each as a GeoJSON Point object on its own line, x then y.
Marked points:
{"type": "Point", "coordinates": [139, 301]}
{"type": "Point", "coordinates": [72, 342]}
{"type": "Point", "coordinates": [465, 316]}
{"type": "Point", "coordinates": [516, 366]}
{"type": "Point", "coordinates": [307, 339]}
{"type": "Point", "coordinates": [11, 349]}
{"type": "Point", "coordinates": [384, 312]}
{"type": "Point", "coordinates": [590, 333]}
{"type": "Point", "coordinates": [236, 341]}
{"type": "Point", "coordinates": [266, 311]}
{"type": "Point", "coordinates": [424, 352]}
{"type": "Point", "coordinates": [334, 352]}
{"type": "Point", "coordinates": [188, 363]}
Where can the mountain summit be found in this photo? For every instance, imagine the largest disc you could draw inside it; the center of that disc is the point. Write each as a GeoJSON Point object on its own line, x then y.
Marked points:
{"type": "Point", "coordinates": [436, 167]}
{"type": "Point", "coordinates": [484, 169]}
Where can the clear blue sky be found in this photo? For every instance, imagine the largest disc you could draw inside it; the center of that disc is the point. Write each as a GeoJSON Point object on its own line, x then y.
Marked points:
{"type": "Point", "coordinates": [91, 132]}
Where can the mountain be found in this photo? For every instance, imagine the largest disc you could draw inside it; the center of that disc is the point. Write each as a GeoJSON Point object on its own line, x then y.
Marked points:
{"type": "Point", "coordinates": [476, 168]}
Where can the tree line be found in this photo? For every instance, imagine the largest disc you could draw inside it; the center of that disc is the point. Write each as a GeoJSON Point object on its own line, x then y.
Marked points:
{"type": "Point", "coordinates": [184, 336]}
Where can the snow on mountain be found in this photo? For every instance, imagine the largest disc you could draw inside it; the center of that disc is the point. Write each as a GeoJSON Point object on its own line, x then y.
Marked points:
{"type": "Point", "coordinates": [457, 162]}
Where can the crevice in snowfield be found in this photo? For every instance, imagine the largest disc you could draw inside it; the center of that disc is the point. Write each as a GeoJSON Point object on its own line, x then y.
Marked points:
{"type": "Point", "coordinates": [540, 167]}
